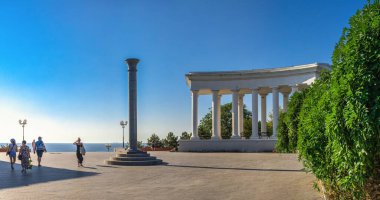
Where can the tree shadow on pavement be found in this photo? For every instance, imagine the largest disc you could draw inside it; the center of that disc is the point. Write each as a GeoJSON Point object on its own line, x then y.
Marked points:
{"type": "Point", "coordinates": [14, 178]}
{"type": "Point", "coordinates": [235, 168]}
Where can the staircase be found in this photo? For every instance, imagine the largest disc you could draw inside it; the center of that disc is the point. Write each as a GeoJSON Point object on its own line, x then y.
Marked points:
{"type": "Point", "coordinates": [139, 158]}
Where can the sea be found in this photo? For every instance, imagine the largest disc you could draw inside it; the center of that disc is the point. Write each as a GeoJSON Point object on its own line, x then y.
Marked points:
{"type": "Point", "coordinates": [69, 147]}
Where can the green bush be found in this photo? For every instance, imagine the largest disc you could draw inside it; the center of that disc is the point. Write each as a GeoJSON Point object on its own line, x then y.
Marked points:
{"type": "Point", "coordinates": [288, 124]}
{"type": "Point", "coordinates": [338, 133]}
{"type": "Point", "coordinates": [282, 144]}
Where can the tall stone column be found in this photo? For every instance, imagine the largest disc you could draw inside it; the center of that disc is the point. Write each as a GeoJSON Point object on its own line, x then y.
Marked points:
{"type": "Point", "coordinates": [241, 113]}
{"type": "Point", "coordinates": [255, 128]}
{"type": "Point", "coordinates": [275, 111]}
{"type": "Point", "coordinates": [285, 100]}
{"type": "Point", "coordinates": [219, 116]}
{"type": "Point", "coordinates": [215, 115]}
{"type": "Point", "coordinates": [133, 156]}
{"type": "Point", "coordinates": [194, 105]}
{"type": "Point", "coordinates": [132, 74]}
{"type": "Point", "coordinates": [235, 116]}
{"type": "Point", "coordinates": [264, 113]}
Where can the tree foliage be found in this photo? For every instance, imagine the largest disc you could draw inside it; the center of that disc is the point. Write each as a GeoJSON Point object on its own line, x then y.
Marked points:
{"type": "Point", "coordinates": [288, 124]}
{"type": "Point", "coordinates": [205, 126]}
{"type": "Point", "coordinates": [337, 132]}
{"type": "Point", "coordinates": [171, 141]}
{"type": "Point", "coordinates": [154, 141]}
{"type": "Point", "coordinates": [185, 136]}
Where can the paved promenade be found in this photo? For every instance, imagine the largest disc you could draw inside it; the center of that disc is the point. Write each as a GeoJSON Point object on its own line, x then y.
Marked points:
{"type": "Point", "coordinates": [195, 176]}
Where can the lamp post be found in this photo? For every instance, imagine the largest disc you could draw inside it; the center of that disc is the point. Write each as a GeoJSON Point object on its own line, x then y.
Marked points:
{"type": "Point", "coordinates": [108, 146]}
{"type": "Point", "coordinates": [22, 123]}
{"type": "Point", "coordinates": [123, 124]}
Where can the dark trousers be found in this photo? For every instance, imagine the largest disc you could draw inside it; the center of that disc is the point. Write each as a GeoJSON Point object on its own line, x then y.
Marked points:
{"type": "Point", "coordinates": [80, 158]}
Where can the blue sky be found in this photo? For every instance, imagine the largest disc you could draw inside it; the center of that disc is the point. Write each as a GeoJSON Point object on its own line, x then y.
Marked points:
{"type": "Point", "coordinates": [62, 62]}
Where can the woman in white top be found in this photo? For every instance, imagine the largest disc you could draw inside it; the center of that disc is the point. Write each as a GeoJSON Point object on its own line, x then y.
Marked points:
{"type": "Point", "coordinates": [12, 149]}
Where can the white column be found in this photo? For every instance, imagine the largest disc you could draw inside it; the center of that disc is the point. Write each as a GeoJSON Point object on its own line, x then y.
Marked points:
{"type": "Point", "coordinates": [215, 115]}
{"type": "Point", "coordinates": [255, 128]}
{"type": "Point", "coordinates": [275, 110]}
{"type": "Point", "coordinates": [235, 116]}
{"type": "Point", "coordinates": [264, 113]}
{"type": "Point", "coordinates": [194, 105]}
{"type": "Point", "coordinates": [294, 89]}
{"type": "Point", "coordinates": [219, 116]}
{"type": "Point", "coordinates": [241, 114]}
{"type": "Point", "coordinates": [285, 100]}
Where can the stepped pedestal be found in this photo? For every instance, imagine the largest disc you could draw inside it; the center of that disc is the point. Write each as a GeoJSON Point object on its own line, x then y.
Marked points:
{"type": "Point", "coordinates": [138, 158]}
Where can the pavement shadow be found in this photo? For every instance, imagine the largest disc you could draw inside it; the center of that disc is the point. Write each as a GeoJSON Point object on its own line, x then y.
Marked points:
{"type": "Point", "coordinates": [14, 178]}
{"type": "Point", "coordinates": [234, 168]}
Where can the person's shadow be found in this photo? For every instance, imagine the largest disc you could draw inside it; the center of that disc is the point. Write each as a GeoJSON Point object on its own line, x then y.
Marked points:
{"type": "Point", "coordinates": [14, 178]}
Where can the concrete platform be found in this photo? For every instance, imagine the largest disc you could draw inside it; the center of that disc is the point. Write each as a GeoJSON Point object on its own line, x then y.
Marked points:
{"type": "Point", "coordinates": [187, 176]}
{"type": "Point", "coordinates": [133, 159]}
{"type": "Point", "coordinates": [231, 145]}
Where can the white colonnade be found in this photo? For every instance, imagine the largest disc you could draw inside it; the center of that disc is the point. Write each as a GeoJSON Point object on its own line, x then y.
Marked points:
{"type": "Point", "coordinates": [238, 109]}
{"type": "Point", "coordinates": [276, 83]}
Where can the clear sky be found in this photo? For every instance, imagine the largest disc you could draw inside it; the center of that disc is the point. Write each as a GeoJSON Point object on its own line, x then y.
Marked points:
{"type": "Point", "coordinates": [62, 62]}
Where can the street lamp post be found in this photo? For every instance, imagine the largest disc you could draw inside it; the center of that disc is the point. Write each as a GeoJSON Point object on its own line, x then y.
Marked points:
{"type": "Point", "coordinates": [123, 124]}
{"type": "Point", "coordinates": [22, 123]}
{"type": "Point", "coordinates": [108, 146]}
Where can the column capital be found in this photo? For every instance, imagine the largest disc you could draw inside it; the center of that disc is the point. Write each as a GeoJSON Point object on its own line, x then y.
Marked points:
{"type": "Point", "coordinates": [255, 90]}
{"type": "Point", "coordinates": [194, 91]}
{"type": "Point", "coordinates": [215, 92]}
{"type": "Point", "coordinates": [263, 95]}
{"type": "Point", "coordinates": [285, 93]}
{"type": "Point", "coordinates": [275, 87]}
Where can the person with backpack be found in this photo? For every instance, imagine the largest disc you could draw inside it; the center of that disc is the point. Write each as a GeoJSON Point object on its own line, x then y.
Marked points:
{"type": "Point", "coordinates": [81, 151]}
{"type": "Point", "coordinates": [12, 149]}
{"type": "Point", "coordinates": [40, 148]}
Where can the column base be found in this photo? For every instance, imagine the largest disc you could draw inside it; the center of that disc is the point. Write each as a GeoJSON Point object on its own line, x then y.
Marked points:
{"type": "Point", "coordinates": [194, 138]}
{"type": "Point", "coordinates": [235, 137]}
{"type": "Point", "coordinates": [256, 137]}
{"type": "Point", "coordinates": [215, 138]}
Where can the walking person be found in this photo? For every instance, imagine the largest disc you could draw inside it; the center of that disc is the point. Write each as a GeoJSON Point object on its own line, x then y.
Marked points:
{"type": "Point", "coordinates": [41, 148]}
{"type": "Point", "coordinates": [12, 149]}
{"type": "Point", "coordinates": [24, 156]}
{"type": "Point", "coordinates": [80, 151]}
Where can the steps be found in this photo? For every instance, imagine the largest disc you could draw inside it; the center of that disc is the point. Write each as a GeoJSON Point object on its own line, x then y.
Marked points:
{"type": "Point", "coordinates": [133, 159]}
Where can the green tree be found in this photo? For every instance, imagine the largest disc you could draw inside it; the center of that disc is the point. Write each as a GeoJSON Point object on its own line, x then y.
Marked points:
{"type": "Point", "coordinates": [171, 140]}
{"type": "Point", "coordinates": [288, 124]}
{"type": "Point", "coordinates": [185, 136]}
{"type": "Point", "coordinates": [339, 127]}
{"type": "Point", "coordinates": [282, 144]}
{"type": "Point", "coordinates": [154, 141]}
{"type": "Point", "coordinates": [205, 126]}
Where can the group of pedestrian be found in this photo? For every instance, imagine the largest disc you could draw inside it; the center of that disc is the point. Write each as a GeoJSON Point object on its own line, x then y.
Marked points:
{"type": "Point", "coordinates": [24, 153]}
{"type": "Point", "coordinates": [39, 148]}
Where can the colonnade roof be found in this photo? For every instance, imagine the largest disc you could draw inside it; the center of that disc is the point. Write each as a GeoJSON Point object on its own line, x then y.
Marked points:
{"type": "Point", "coordinates": [262, 79]}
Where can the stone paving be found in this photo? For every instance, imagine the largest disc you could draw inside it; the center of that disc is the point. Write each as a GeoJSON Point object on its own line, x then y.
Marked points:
{"type": "Point", "coordinates": [185, 176]}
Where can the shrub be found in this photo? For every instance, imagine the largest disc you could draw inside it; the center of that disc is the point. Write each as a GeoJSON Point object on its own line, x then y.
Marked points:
{"type": "Point", "coordinates": [282, 144]}
{"type": "Point", "coordinates": [338, 131]}
{"type": "Point", "coordinates": [288, 124]}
